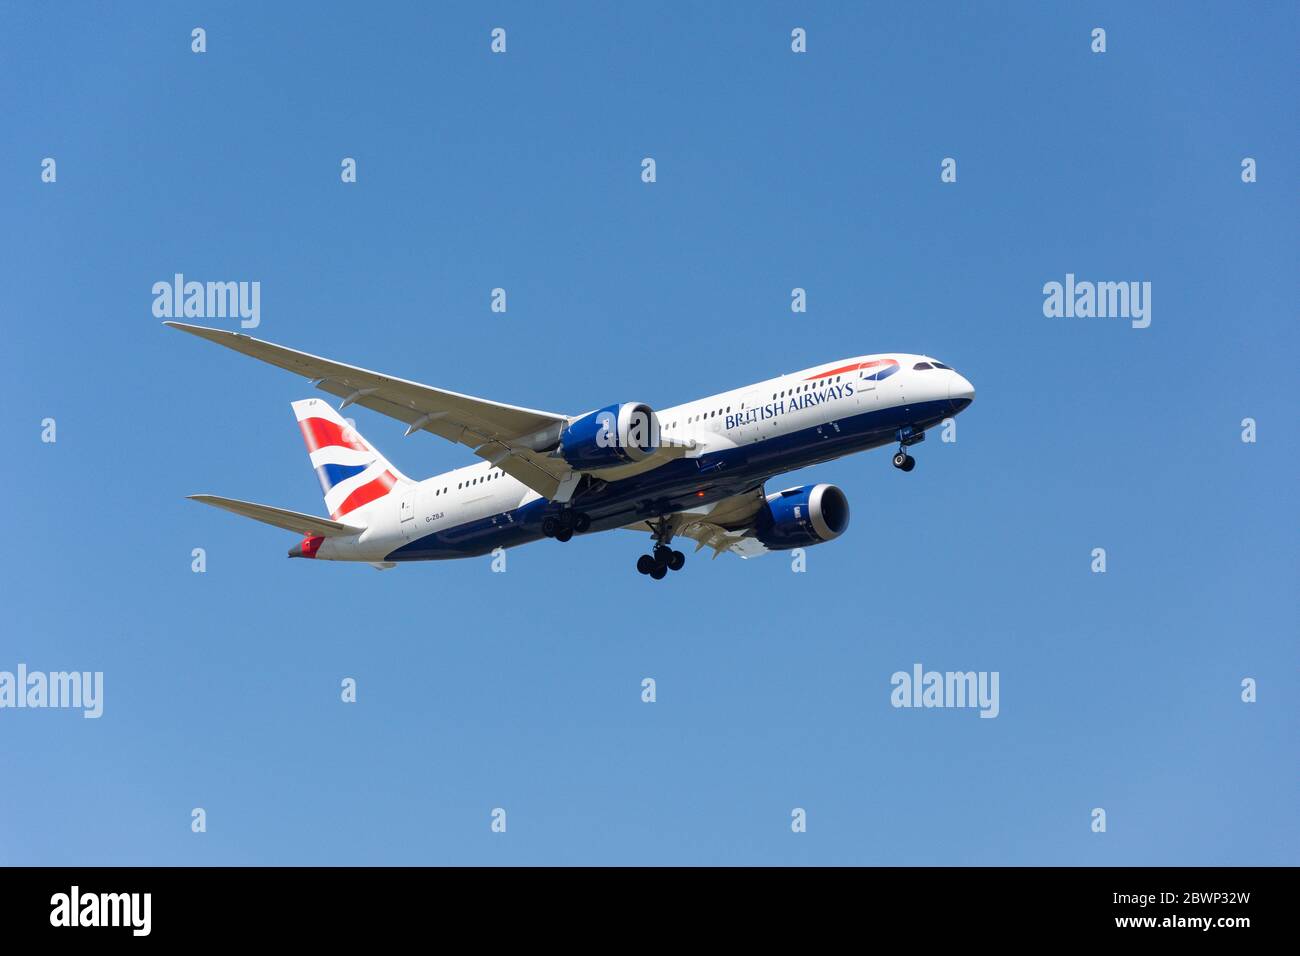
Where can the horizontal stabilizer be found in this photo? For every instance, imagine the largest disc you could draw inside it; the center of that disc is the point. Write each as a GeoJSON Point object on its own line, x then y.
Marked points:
{"type": "Point", "coordinates": [280, 518]}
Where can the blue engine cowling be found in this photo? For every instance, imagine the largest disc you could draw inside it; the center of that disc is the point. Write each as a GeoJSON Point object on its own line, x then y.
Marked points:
{"type": "Point", "coordinates": [610, 436]}
{"type": "Point", "coordinates": [798, 517]}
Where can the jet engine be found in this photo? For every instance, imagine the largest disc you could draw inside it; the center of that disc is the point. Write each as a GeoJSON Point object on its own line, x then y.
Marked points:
{"type": "Point", "coordinates": [799, 517]}
{"type": "Point", "coordinates": [611, 436]}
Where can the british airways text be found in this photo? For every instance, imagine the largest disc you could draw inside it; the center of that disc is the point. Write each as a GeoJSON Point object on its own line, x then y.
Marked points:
{"type": "Point", "coordinates": [773, 409]}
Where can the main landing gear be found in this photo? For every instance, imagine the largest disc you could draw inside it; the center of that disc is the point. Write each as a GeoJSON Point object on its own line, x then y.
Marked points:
{"type": "Point", "coordinates": [565, 525]}
{"type": "Point", "coordinates": [663, 559]}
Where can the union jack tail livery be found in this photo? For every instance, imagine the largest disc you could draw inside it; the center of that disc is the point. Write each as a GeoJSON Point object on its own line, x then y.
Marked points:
{"type": "Point", "coordinates": [352, 472]}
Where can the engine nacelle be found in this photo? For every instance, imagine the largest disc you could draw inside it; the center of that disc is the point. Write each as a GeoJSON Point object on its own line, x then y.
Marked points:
{"type": "Point", "coordinates": [614, 435]}
{"type": "Point", "coordinates": [799, 517]}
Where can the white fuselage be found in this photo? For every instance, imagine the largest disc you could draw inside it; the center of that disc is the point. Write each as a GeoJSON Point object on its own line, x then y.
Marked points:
{"type": "Point", "coordinates": [767, 411]}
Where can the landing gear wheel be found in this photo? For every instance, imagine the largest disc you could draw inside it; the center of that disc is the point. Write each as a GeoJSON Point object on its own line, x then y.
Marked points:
{"type": "Point", "coordinates": [581, 523]}
{"type": "Point", "coordinates": [909, 464]}
{"type": "Point", "coordinates": [662, 558]}
{"type": "Point", "coordinates": [900, 459]}
{"type": "Point", "coordinates": [564, 534]}
{"type": "Point", "coordinates": [550, 525]}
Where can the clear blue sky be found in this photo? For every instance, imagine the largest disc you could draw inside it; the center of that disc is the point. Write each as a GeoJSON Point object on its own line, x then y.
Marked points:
{"type": "Point", "coordinates": [522, 690]}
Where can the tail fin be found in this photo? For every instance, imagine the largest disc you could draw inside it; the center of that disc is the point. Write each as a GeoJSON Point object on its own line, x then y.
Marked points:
{"type": "Point", "coordinates": [352, 472]}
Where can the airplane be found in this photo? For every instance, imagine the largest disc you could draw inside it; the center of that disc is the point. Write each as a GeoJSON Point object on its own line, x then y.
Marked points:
{"type": "Point", "coordinates": [695, 471]}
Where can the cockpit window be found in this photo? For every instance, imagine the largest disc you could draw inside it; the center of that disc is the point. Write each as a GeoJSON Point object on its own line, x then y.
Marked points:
{"type": "Point", "coordinates": [941, 365]}
{"type": "Point", "coordinates": [920, 365]}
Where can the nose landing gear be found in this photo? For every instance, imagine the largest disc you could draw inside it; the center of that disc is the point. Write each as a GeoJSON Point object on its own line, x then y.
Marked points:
{"type": "Point", "coordinates": [907, 437]}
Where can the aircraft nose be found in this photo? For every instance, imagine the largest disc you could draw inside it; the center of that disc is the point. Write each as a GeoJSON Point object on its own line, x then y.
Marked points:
{"type": "Point", "coordinates": [960, 392]}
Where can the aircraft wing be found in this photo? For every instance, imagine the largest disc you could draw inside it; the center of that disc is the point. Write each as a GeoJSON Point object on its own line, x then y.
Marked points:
{"type": "Point", "coordinates": [506, 435]}
{"type": "Point", "coordinates": [726, 525]}
{"type": "Point", "coordinates": [279, 517]}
